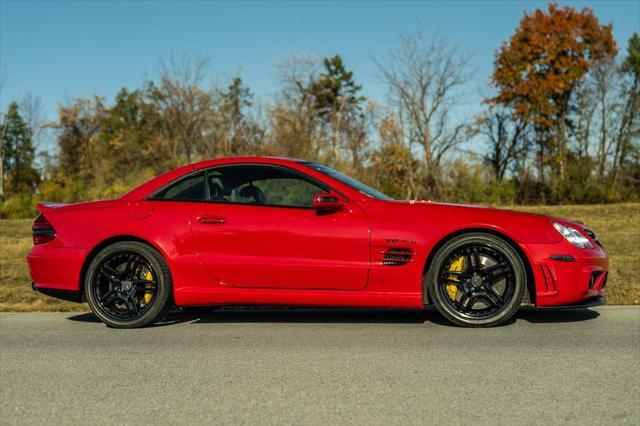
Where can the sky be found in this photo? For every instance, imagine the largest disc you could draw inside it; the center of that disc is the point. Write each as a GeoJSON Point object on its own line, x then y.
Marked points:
{"type": "Point", "coordinates": [61, 50]}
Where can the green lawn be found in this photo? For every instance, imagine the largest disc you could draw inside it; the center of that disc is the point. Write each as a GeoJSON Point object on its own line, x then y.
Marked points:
{"type": "Point", "coordinates": [618, 226]}
{"type": "Point", "coordinates": [15, 284]}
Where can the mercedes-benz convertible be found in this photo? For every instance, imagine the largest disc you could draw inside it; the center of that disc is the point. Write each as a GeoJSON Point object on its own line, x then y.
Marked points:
{"type": "Point", "coordinates": [275, 231]}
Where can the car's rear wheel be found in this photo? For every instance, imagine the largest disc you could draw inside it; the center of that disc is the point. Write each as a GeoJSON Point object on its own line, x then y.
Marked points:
{"type": "Point", "coordinates": [476, 280]}
{"type": "Point", "coordinates": [128, 285]}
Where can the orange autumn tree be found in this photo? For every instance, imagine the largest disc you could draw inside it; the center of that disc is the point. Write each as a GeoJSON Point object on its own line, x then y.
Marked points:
{"type": "Point", "coordinates": [538, 69]}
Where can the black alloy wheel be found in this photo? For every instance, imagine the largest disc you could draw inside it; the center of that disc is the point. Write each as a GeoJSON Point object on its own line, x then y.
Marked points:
{"type": "Point", "coordinates": [128, 285]}
{"type": "Point", "coordinates": [477, 280]}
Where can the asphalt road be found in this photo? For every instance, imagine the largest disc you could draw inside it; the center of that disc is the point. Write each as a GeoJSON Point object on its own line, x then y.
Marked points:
{"type": "Point", "coordinates": [322, 367]}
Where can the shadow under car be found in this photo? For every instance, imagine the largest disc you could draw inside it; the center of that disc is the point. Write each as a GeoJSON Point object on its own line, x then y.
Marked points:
{"type": "Point", "coordinates": [262, 314]}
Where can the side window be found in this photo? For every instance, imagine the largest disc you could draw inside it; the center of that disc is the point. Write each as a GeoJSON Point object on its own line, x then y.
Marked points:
{"type": "Point", "coordinates": [261, 185]}
{"type": "Point", "coordinates": [190, 188]}
{"type": "Point", "coordinates": [284, 191]}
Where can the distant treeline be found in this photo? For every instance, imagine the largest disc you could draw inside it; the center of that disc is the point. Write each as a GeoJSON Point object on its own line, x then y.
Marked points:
{"type": "Point", "coordinates": [561, 124]}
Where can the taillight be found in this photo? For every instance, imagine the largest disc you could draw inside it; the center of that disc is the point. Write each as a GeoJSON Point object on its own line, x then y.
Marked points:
{"type": "Point", "coordinates": [42, 231]}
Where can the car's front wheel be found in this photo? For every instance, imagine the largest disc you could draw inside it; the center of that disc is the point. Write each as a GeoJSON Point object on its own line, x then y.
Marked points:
{"type": "Point", "coordinates": [476, 280]}
{"type": "Point", "coordinates": [128, 285]}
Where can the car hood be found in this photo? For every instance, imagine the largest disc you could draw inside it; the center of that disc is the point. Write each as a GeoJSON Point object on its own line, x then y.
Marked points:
{"type": "Point", "coordinates": [477, 209]}
{"type": "Point", "coordinates": [523, 227]}
{"type": "Point", "coordinates": [503, 211]}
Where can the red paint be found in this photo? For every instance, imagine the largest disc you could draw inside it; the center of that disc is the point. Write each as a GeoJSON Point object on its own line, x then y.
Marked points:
{"type": "Point", "coordinates": [331, 255]}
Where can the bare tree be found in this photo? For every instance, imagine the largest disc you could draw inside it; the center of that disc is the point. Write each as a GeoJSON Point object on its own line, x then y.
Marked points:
{"type": "Point", "coordinates": [604, 79]}
{"type": "Point", "coordinates": [293, 122]}
{"type": "Point", "coordinates": [78, 125]}
{"type": "Point", "coordinates": [628, 91]}
{"type": "Point", "coordinates": [396, 170]}
{"type": "Point", "coordinates": [424, 77]}
{"type": "Point", "coordinates": [4, 75]}
{"type": "Point", "coordinates": [295, 75]}
{"type": "Point", "coordinates": [603, 118]}
{"type": "Point", "coordinates": [185, 106]}
{"type": "Point", "coordinates": [507, 137]}
{"type": "Point", "coordinates": [583, 119]}
{"type": "Point", "coordinates": [3, 129]}
{"type": "Point", "coordinates": [237, 129]}
{"type": "Point", "coordinates": [32, 111]}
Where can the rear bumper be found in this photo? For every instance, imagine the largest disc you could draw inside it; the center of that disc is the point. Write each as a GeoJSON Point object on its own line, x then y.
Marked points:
{"type": "Point", "coordinates": [565, 275]}
{"type": "Point", "coordinates": [55, 269]}
{"type": "Point", "coordinates": [70, 295]}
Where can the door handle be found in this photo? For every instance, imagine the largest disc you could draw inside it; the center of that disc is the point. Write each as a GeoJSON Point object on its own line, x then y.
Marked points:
{"type": "Point", "coordinates": [211, 220]}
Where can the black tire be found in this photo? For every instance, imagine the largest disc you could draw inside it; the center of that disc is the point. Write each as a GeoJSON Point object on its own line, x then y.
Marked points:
{"type": "Point", "coordinates": [99, 287]}
{"type": "Point", "coordinates": [490, 284]}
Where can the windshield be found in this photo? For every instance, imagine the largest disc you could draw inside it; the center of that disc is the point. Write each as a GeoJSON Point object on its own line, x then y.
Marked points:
{"type": "Point", "coordinates": [359, 186]}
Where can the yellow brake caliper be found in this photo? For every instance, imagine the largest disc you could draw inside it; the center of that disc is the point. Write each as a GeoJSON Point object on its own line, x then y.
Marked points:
{"type": "Point", "coordinates": [148, 293]}
{"type": "Point", "coordinates": [456, 266]}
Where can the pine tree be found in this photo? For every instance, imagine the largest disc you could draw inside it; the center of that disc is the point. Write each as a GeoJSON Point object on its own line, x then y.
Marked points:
{"type": "Point", "coordinates": [18, 153]}
{"type": "Point", "coordinates": [338, 104]}
{"type": "Point", "coordinates": [335, 91]}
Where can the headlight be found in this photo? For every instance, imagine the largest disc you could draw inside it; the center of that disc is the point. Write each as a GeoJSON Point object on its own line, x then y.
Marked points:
{"type": "Point", "coordinates": [573, 236]}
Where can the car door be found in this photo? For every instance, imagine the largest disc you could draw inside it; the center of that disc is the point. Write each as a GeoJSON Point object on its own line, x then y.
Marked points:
{"type": "Point", "coordinates": [258, 228]}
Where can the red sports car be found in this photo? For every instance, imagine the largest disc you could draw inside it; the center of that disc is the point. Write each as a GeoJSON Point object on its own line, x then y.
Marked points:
{"type": "Point", "coordinates": [275, 231]}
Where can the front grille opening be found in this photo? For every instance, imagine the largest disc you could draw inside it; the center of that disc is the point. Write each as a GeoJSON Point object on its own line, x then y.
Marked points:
{"type": "Point", "coordinates": [593, 280]}
{"type": "Point", "coordinates": [397, 257]}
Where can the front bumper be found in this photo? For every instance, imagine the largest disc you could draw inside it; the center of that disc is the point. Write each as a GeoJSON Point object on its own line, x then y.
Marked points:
{"type": "Point", "coordinates": [589, 303]}
{"type": "Point", "coordinates": [566, 275]}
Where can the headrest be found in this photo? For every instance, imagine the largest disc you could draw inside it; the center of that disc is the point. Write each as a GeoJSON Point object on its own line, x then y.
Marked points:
{"type": "Point", "coordinates": [215, 191]}
{"type": "Point", "coordinates": [254, 193]}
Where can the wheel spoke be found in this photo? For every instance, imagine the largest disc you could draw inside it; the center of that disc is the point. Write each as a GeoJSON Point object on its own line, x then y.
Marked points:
{"type": "Point", "coordinates": [109, 272]}
{"type": "Point", "coordinates": [451, 280]}
{"type": "Point", "coordinates": [132, 264]}
{"type": "Point", "coordinates": [143, 283]}
{"type": "Point", "coordinates": [474, 259]}
{"type": "Point", "coordinates": [109, 297]}
{"type": "Point", "coordinates": [471, 300]}
{"type": "Point", "coordinates": [131, 306]}
{"type": "Point", "coordinates": [496, 272]}
{"type": "Point", "coordinates": [141, 289]}
{"type": "Point", "coordinates": [494, 299]}
{"type": "Point", "coordinates": [465, 302]}
{"type": "Point", "coordinates": [107, 275]}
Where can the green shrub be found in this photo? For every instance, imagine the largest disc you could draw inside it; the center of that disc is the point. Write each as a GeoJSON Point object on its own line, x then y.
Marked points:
{"type": "Point", "coordinates": [18, 207]}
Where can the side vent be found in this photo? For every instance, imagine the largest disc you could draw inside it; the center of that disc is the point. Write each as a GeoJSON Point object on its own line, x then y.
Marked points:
{"type": "Point", "coordinates": [549, 279]}
{"type": "Point", "coordinates": [397, 256]}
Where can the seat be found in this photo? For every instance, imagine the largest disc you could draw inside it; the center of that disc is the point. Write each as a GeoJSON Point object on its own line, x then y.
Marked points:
{"type": "Point", "coordinates": [254, 193]}
{"type": "Point", "coordinates": [216, 192]}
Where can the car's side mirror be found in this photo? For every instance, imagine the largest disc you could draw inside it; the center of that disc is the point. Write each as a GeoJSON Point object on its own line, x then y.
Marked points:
{"type": "Point", "coordinates": [327, 203]}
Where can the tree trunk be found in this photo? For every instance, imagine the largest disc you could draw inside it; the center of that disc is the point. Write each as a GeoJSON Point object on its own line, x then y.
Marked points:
{"type": "Point", "coordinates": [541, 155]}
{"type": "Point", "coordinates": [561, 141]}
{"type": "Point", "coordinates": [2, 173]}
{"type": "Point", "coordinates": [602, 154]}
{"type": "Point", "coordinates": [336, 138]}
{"type": "Point", "coordinates": [428, 158]}
{"type": "Point", "coordinates": [5, 127]}
{"type": "Point", "coordinates": [620, 151]}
